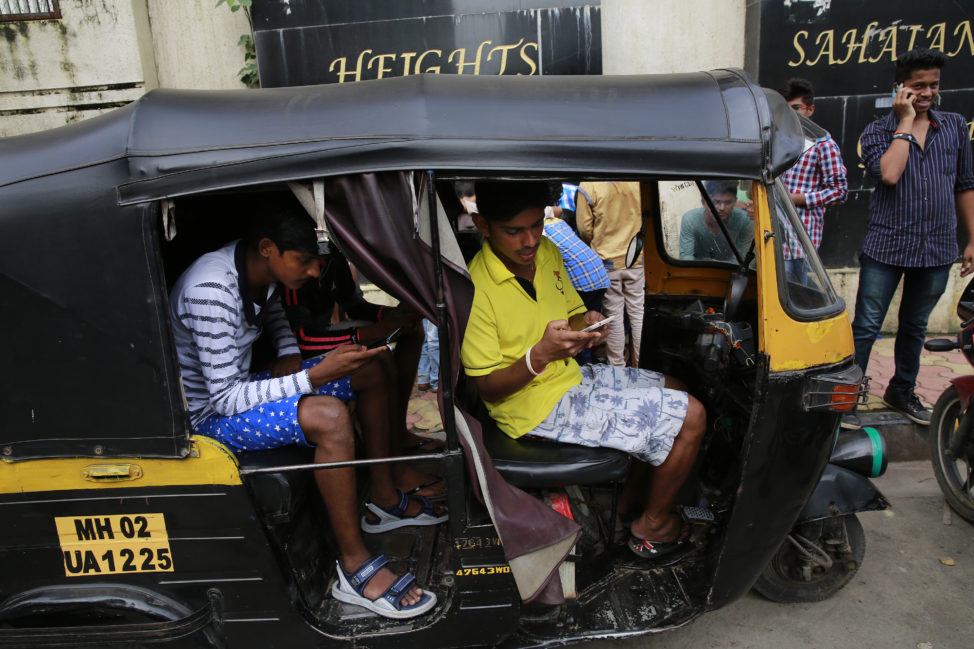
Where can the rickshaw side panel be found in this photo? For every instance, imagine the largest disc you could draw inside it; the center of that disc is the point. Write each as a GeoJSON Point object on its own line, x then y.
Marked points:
{"type": "Point", "coordinates": [782, 460]}
{"type": "Point", "coordinates": [91, 370]}
{"type": "Point", "coordinates": [168, 535]}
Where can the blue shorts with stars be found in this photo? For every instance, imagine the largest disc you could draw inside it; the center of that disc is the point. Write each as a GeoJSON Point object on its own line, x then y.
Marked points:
{"type": "Point", "coordinates": [271, 424]}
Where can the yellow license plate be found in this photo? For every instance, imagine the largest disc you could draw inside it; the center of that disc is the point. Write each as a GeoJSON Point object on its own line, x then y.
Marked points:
{"type": "Point", "coordinates": [112, 545]}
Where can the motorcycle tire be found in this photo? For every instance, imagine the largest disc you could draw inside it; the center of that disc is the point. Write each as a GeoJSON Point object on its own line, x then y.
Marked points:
{"type": "Point", "coordinates": [782, 579]}
{"type": "Point", "coordinates": [952, 473]}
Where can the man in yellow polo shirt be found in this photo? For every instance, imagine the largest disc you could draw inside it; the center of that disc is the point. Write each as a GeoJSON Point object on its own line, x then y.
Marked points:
{"type": "Point", "coordinates": [524, 328]}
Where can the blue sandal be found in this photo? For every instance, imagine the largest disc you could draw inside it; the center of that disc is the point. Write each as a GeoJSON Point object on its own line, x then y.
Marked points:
{"type": "Point", "coordinates": [395, 517]}
{"type": "Point", "coordinates": [351, 590]}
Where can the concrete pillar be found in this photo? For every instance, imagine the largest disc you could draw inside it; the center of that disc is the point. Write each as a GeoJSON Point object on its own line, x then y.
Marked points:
{"type": "Point", "coordinates": [194, 44]}
{"type": "Point", "coordinates": [663, 36]}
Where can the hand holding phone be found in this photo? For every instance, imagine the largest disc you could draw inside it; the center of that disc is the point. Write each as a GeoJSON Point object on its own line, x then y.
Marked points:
{"type": "Point", "coordinates": [599, 324]}
{"type": "Point", "coordinates": [903, 103]}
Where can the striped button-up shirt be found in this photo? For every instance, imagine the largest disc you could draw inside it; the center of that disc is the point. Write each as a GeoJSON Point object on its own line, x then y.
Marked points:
{"type": "Point", "coordinates": [914, 222]}
{"type": "Point", "coordinates": [820, 175]}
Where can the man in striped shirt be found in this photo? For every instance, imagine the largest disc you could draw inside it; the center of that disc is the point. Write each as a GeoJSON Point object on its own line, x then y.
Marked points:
{"type": "Point", "coordinates": [922, 159]}
{"type": "Point", "coordinates": [815, 182]}
{"type": "Point", "coordinates": [219, 307]}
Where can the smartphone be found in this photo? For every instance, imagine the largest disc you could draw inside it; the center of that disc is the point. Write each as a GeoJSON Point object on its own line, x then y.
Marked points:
{"type": "Point", "coordinates": [896, 89]}
{"type": "Point", "coordinates": [600, 323]}
{"type": "Point", "coordinates": [383, 342]}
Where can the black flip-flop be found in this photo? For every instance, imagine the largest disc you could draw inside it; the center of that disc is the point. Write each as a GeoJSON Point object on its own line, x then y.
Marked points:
{"type": "Point", "coordinates": [656, 549]}
{"type": "Point", "coordinates": [422, 446]}
{"type": "Point", "coordinates": [435, 481]}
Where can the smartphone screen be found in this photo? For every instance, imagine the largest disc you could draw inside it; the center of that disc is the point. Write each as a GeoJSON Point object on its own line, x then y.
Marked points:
{"type": "Point", "coordinates": [381, 342]}
{"type": "Point", "coordinates": [593, 327]}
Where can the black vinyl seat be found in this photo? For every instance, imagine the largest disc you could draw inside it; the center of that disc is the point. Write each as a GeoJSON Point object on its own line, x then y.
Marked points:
{"type": "Point", "coordinates": [277, 494]}
{"type": "Point", "coordinates": [532, 463]}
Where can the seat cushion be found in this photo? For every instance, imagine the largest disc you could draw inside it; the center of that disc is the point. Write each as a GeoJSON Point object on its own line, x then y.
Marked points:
{"type": "Point", "coordinates": [531, 463]}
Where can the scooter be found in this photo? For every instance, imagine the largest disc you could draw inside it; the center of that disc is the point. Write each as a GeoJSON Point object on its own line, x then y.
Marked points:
{"type": "Point", "coordinates": [951, 438]}
{"type": "Point", "coordinates": [825, 548]}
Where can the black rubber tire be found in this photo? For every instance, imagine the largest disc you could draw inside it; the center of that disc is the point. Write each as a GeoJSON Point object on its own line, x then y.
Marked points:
{"type": "Point", "coordinates": [951, 474]}
{"type": "Point", "coordinates": [781, 581]}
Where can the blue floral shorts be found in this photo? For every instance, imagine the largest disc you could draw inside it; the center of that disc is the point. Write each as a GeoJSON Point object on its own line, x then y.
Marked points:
{"type": "Point", "coordinates": [271, 424]}
{"type": "Point", "coordinates": [618, 407]}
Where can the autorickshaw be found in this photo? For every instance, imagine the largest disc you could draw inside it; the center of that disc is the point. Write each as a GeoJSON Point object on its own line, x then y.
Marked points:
{"type": "Point", "coordinates": [123, 528]}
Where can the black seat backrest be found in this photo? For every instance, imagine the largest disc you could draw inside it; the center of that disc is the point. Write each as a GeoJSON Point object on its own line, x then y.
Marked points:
{"type": "Point", "coordinates": [531, 463]}
{"type": "Point", "coordinates": [277, 495]}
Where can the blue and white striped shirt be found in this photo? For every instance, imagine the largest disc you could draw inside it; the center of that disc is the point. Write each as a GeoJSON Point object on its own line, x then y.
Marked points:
{"type": "Point", "coordinates": [215, 323]}
{"type": "Point", "coordinates": [914, 222]}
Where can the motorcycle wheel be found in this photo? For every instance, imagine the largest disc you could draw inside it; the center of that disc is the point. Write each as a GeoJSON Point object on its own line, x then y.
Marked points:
{"type": "Point", "coordinates": [954, 475]}
{"type": "Point", "coordinates": [789, 579]}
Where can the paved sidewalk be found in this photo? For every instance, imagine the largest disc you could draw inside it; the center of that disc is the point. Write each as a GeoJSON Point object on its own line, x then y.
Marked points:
{"type": "Point", "coordinates": [906, 440]}
{"type": "Point", "coordinates": [424, 414]}
{"type": "Point", "coordinates": [936, 371]}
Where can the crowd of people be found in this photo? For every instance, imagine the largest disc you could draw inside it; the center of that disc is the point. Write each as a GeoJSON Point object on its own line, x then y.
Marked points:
{"type": "Point", "coordinates": [549, 271]}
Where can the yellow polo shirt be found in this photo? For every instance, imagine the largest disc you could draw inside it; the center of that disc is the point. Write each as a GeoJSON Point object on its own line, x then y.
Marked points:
{"type": "Point", "coordinates": [505, 321]}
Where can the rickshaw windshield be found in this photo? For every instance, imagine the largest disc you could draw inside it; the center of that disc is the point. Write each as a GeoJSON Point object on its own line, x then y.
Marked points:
{"type": "Point", "coordinates": [806, 292]}
{"type": "Point", "coordinates": [690, 229]}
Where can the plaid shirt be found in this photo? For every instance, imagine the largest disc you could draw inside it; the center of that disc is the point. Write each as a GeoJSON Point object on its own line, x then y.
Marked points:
{"type": "Point", "coordinates": [914, 222]}
{"type": "Point", "coordinates": [820, 175]}
{"type": "Point", "coordinates": [585, 268]}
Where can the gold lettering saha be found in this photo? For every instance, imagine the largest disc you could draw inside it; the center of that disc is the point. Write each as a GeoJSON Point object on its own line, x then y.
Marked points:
{"type": "Point", "coordinates": [874, 43]}
{"type": "Point", "coordinates": [487, 58]}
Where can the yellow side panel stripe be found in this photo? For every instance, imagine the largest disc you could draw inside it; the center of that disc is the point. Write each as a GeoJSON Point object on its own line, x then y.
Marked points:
{"type": "Point", "coordinates": [209, 463]}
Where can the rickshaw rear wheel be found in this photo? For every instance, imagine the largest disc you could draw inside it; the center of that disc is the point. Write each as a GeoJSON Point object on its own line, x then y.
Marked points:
{"type": "Point", "coordinates": [954, 475]}
{"type": "Point", "coordinates": [796, 572]}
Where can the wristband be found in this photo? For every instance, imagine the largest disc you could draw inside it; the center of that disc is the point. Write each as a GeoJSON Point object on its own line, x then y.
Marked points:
{"type": "Point", "coordinates": [903, 136]}
{"type": "Point", "coordinates": [527, 359]}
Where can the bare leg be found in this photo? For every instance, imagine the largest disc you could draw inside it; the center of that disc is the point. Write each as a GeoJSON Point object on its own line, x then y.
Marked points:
{"type": "Point", "coordinates": [658, 523]}
{"type": "Point", "coordinates": [327, 425]}
{"type": "Point", "coordinates": [377, 413]}
{"type": "Point", "coordinates": [406, 360]}
{"type": "Point", "coordinates": [407, 353]}
{"type": "Point", "coordinates": [632, 500]}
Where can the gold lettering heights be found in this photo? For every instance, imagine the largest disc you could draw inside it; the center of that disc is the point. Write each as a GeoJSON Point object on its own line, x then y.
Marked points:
{"type": "Point", "coordinates": [825, 48]}
{"type": "Point", "coordinates": [378, 66]}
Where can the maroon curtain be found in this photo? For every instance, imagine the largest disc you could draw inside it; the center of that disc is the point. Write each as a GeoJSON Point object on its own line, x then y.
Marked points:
{"type": "Point", "coordinates": [370, 216]}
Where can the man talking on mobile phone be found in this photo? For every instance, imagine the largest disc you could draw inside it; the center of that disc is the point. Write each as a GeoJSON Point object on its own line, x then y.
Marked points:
{"type": "Point", "coordinates": [921, 159]}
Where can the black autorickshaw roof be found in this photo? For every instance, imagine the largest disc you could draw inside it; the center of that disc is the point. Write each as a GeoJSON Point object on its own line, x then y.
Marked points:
{"type": "Point", "coordinates": [716, 123]}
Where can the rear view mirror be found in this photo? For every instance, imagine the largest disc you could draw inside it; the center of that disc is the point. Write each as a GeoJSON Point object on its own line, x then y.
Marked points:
{"type": "Point", "coordinates": [635, 249]}
{"type": "Point", "coordinates": [735, 295]}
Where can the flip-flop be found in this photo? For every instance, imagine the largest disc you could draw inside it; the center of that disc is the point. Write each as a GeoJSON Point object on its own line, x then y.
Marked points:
{"type": "Point", "coordinates": [394, 517]}
{"type": "Point", "coordinates": [655, 549]}
{"type": "Point", "coordinates": [435, 481]}
{"type": "Point", "coordinates": [351, 590]}
{"type": "Point", "coordinates": [428, 444]}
